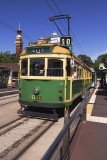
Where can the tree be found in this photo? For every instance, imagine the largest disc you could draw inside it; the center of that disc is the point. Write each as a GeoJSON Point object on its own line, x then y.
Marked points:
{"type": "Point", "coordinates": [7, 57]}
{"type": "Point", "coordinates": [87, 60]}
{"type": "Point", "coordinates": [100, 59]}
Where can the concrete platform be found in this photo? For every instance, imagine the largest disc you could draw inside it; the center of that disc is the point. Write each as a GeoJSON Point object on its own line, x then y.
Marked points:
{"type": "Point", "coordinates": [90, 141]}
{"type": "Point", "coordinates": [100, 106]}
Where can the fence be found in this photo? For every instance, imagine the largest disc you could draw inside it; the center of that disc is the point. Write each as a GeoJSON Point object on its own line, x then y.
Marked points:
{"type": "Point", "coordinates": [60, 149]}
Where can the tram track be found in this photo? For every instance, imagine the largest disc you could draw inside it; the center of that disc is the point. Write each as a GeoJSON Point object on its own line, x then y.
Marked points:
{"type": "Point", "coordinates": [7, 124]}
{"type": "Point", "coordinates": [8, 99]}
{"type": "Point", "coordinates": [8, 102]}
{"type": "Point", "coordinates": [8, 127]}
{"type": "Point", "coordinates": [9, 96]}
{"type": "Point", "coordinates": [21, 132]}
{"type": "Point", "coordinates": [16, 149]}
{"type": "Point", "coordinates": [19, 145]}
{"type": "Point", "coordinates": [8, 92]}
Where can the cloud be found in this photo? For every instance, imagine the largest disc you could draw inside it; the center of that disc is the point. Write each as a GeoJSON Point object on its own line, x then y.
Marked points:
{"type": "Point", "coordinates": [95, 56]}
{"type": "Point", "coordinates": [105, 52]}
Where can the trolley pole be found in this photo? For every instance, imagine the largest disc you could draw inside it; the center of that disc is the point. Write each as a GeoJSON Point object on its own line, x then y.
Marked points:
{"type": "Point", "coordinates": [57, 17]}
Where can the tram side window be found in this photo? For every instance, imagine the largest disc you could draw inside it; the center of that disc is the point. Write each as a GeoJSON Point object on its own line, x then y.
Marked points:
{"type": "Point", "coordinates": [78, 73]}
{"type": "Point", "coordinates": [85, 75]}
{"type": "Point", "coordinates": [82, 75]}
{"type": "Point", "coordinates": [24, 67]}
{"type": "Point", "coordinates": [37, 67]}
{"type": "Point", "coordinates": [75, 72]}
{"type": "Point", "coordinates": [68, 68]}
{"type": "Point", "coordinates": [55, 68]}
{"type": "Point", "coordinates": [90, 75]}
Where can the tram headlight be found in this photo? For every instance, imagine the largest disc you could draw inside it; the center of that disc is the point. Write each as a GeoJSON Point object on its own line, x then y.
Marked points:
{"type": "Point", "coordinates": [60, 98]}
{"type": "Point", "coordinates": [36, 91]}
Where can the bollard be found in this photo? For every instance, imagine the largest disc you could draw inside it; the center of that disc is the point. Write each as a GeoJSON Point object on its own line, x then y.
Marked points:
{"type": "Point", "coordinates": [66, 137]}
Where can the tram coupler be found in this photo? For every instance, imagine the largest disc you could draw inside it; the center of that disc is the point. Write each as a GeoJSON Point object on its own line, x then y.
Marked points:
{"type": "Point", "coordinates": [55, 115]}
{"type": "Point", "coordinates": [23, 107]}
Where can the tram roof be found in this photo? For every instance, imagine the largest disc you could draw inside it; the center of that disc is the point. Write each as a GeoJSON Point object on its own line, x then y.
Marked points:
{"type": "Point", "coordinates": [80, 61]}
{"type": "Point", "coordinates": [55, 48]}
{"type": "Point", "coordinates": [9, 66]}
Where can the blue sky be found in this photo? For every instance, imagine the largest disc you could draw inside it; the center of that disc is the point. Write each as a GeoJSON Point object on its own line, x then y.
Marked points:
{"type": "Point", "coordinates": [88, 23]}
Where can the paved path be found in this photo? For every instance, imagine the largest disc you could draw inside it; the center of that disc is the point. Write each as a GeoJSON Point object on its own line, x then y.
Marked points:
{"type": "Point", "coordinates": [90, 141]}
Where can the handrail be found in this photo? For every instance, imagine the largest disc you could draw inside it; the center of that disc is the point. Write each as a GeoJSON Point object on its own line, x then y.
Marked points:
{"type": "Point", "coordinates": [51, 149]}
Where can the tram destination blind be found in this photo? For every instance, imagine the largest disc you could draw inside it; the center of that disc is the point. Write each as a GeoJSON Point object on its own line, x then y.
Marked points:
{"type": "Point", "coordinates": [38, 50]}
{"type": "Point", "coordinates": [65, 41]}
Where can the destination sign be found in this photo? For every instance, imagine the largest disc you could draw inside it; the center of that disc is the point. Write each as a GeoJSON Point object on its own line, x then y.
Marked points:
{"type": "Point", "coordinates": [38, 50]}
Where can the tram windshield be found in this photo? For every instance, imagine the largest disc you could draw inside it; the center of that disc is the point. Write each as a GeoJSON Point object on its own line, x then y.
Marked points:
{"type": "Point", "coordinates": [55, 68]}
{"type": "Point", "coordinates": [37, 67]}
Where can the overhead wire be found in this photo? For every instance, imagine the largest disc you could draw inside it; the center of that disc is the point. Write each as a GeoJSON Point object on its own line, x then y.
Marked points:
{"type": "Point", "coordinates": [70, 29]}
{"type": "Point", "coordinates": [77, 42]}
{"type": "Point", "coordinates": [2, 22]}
{"type": "Point", "coordinates": [55, 13]}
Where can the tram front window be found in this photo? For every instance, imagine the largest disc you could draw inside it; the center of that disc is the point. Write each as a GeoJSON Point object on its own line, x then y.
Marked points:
{"type": "Point", "coordinates": [37, 67]}
{"type": "Point", "coordinates": [55, 68]}
{"type": "Point", "coordinates": [24, 67]}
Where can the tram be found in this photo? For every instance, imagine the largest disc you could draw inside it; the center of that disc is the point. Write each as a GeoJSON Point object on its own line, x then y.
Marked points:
{"type": "Point", "coordinates": [51, 76]}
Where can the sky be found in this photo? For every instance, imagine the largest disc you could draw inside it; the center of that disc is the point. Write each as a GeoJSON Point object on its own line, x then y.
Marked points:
{"type": "Point", "coordinates": [88, 25]}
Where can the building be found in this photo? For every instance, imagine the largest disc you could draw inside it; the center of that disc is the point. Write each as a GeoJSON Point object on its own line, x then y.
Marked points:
{"type": "Point", "coordinates": [19, 43]}
{"type": "Point", "coordinates": [9, 74]}
{"type": "Point", "coordinates": [54, 38]}
{"type": "Point", "coordinates": [9, 71]}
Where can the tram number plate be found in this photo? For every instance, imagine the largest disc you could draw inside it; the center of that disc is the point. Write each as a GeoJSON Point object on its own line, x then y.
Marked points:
{"type": "Point", "coordinates": [37, 98]}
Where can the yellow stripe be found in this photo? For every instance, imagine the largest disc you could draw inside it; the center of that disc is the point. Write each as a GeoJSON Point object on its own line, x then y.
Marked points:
{"type": "Point", "coordinates": [45, 55]}
{"type": "Point", "coordinates": [89, 109]}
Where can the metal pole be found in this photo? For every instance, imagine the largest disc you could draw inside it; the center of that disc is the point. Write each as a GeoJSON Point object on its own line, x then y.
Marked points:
{"type": "Point", "coordinates": [2, 79]}
{"type": "Point", "coordinates": [66, 138]}
{"type": "Point", "coordinates": [58, 27]}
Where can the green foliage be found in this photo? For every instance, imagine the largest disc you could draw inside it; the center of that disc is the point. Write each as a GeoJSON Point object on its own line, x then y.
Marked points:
{"type": "Point", "coordinates": [7, 57]}
{"type": "Point", "coordinates": [101, 59]}
{"type": "Point", "coordinates": [87, 60]}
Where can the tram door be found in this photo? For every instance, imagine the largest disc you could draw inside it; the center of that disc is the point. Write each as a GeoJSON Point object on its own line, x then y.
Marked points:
{"type": "Point", "coordinates": [68, 82]}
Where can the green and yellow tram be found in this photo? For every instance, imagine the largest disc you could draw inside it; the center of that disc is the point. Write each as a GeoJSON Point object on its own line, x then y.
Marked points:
{"type": "Point", "coordinates": [51, 77]}
{"type": "Point", "coordinates": [48, 78]}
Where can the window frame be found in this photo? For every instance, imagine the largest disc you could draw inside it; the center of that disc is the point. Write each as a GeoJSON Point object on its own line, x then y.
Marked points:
{"type": "Point", "coordinates": [45, 69]}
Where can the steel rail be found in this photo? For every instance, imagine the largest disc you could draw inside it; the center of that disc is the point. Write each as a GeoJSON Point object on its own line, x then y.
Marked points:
{"type": "Point", "coordinates": [9, 96]}
{"type": "Point", "coordinates": [55, 143]}
{"type": "Point", "coordinates": [9, 91]}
